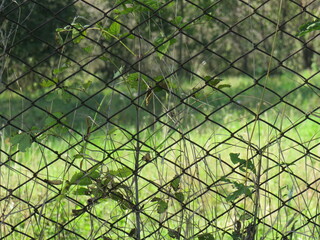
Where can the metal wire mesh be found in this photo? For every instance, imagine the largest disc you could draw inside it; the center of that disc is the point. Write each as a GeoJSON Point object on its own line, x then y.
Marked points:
{"type": "Point", "coordinates": [159, 120]}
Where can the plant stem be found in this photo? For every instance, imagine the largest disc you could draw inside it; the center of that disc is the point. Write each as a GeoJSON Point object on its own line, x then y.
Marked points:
{"type": "Point", "coordinates": [136, 179]}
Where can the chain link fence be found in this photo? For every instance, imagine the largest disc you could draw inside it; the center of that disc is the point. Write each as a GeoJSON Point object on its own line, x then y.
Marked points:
{"type": "Point", "coordinates": [159, 119]}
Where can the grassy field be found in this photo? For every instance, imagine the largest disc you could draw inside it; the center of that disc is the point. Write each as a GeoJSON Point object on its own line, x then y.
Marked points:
{"type": "Point", "coordinates": [191, 180]}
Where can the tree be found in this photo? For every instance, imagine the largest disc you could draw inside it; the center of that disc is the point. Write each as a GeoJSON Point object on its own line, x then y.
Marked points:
{"type": "Point", "coordinates": [28, 28]}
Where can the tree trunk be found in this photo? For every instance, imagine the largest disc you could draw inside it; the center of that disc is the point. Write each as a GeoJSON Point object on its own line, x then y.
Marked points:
{"type": "Point", "coordinates": [307, 58]}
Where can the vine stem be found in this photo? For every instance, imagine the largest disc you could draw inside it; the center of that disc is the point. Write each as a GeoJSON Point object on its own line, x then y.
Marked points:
{"type": "Point", "coordinates": [257, 182]}
{"type": "Point", "coordinates": [136, 170]}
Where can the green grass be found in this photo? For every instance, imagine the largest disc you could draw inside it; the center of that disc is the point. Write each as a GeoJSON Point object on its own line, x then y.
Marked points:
{"type": "Point", "coordinates": [288, 162]}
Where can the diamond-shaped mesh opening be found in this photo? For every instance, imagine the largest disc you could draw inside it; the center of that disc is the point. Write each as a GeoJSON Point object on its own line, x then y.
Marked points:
{"type": "Point", "coordinates": [298, 98]}
{"type": "Point", "coordinates": [221, 12]}
{"type": "Point", "coordinates": [221, 46]}
{"type": "Point", "coordinates": [159, 120]}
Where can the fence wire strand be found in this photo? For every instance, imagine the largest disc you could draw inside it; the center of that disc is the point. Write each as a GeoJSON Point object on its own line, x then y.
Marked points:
{"type": "Point", "coordinates": [170, 119]}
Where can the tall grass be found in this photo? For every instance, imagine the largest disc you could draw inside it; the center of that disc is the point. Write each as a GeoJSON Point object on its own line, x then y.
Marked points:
{"type": "Point", "coordinates": [192, 143]}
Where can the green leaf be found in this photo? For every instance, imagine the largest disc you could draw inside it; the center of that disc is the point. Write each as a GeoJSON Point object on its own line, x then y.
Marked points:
{"type": "Point", "coordinates": [51, 120]}
{"type": "Point", "coordinates": [58, 39]}
{"type": "Point", "coordinates": [162, 84]}
{"type": "Point", "coordinates": [146, 157]}
{"type": "Point", "coordinates": [59, 70]}
{"type": "Point", "coordinates": [104, 58]}
{"type": "Point", "coordinates": [94, 174]}
{"type": "Point", "coordinates": [48, 83]}
{"type": "Point", "coordinates": [81, 191]}
{"type": "Point", "coordinates": [159, 78]}
{"type": "Point", "coordinates": [88, 49]}
{"type": "Point", "coordinates": [125, 188]}
{"type": "Point", "coordinates": [106, 238]}
{"type": "Point", "coordinates": [175, 183]}
{"type": "Point", "coordinates": [172, 41]}
{"type": "Point", "coordinates": [163, 49]}
{"type": "Point", "coordinates": [244, 164]}
{"type": "Point", "coordinates": [158, 42]}
{"type": "Point", "coordinates": [105, 33]}
{"type": "Point", "coordinates": [121, 172]}
{"type": "Point", "coordinates": [116, 195]}
{"type": "Point", "coordinates": [163, 45]}
{"type": "Point", "coordinates": [98, 192]}
{"type": "Point", "coordinates": [107, 179]}
{"type": "Point", "coordinates": [309, 27]}
{"type": "Point", "coordinates": [77, 32]}
{"type": "Point", "coordinates": [118, 73]}
{"type": "Point", "coordinates": [179, 196]}
{"type": "Point", "coordinates": [132, 79]}
{"type": "Point", "coordinates": [206, 236]}
{"type": "Point", "coordinates": [235, 158]}
{"type": "Point", "coordinates": [207, 78]}
{"type": "Point", "coordinates": [133, 233]}
{"type": "Point", "coordinates": [114, 29]}
{"type": "Point", "coordinates": [60, 29]}
{"type": "Point", "coordinates": [221, 86]}
{"type": "Point", "coordinates": [236, 235]}
{"type": "Point", "coordinates": [130, 36]}
{"type": "Point", "coordinates": [127, 35]}
{"type": "Point", "coordinates": [196, 93]}
{"type": "Point", "coordinates": [249, 165]}
{"type": "Point", "coordinates": [162, 206]}
{"type": "Point", "coordinates": [53, 182]}
{"type": "Point", "coordinates": [241, 189]}
{"type": "Point", "coordinates": [154, 4]}
{"type": "Point", "coordinates": [84, 181]}
{"type": "Point", "coordinates": [124, 12]}
{"type": "Point", "coordinates": [213, 82]}
{"type": "Point", "coordinates": [77, 212]}
{"type": "Point", "coordinates": [155, 199]}
{"type": "Point", "coordinates": [86, 85]}
{"type": "Point", "coordinates": [79, 178]}
{"type": "Point", "coordinates": [64, 189]}
{"type": "Point", "coordinates": [23, 140]}
{"type": "Point", "coordinates": [125, 204]}
{"type": "Point", "coordinates": [173, 233]}
{"type": "Point", "coordinates": [66, 97]}
{"type": "Point", "coordinates": [225, 179]}
{"type": "Point", "coordinates": [245, 216]}
{"type": "Point", "coordinates": [177, 21]}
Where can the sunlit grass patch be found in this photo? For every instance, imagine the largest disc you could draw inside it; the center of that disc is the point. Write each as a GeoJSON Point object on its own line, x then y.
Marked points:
{"type": "Point", "coordinates": [239, 153]}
